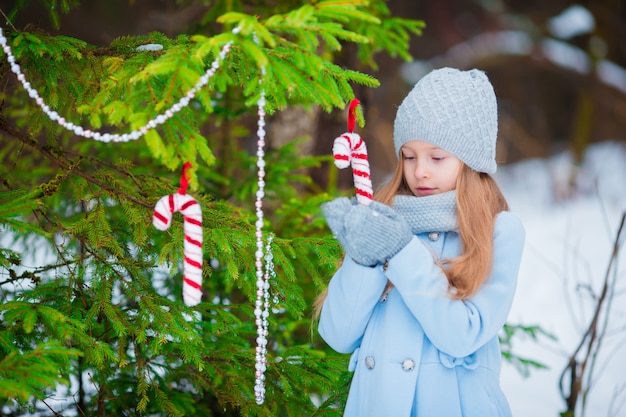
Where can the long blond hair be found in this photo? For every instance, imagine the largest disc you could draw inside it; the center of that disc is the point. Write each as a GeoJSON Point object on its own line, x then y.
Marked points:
{"type": "Point", "coordinates": [478, 200]}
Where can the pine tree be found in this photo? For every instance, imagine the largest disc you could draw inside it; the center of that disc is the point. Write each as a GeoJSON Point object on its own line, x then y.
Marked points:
{"type": "Point", "coordinates": [91, 317]}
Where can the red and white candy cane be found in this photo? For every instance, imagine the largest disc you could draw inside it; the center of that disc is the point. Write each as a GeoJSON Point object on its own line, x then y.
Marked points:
{"type": "Point", "coordinates": [350, 149]}
{"type": "Point", "coordinates": [192, 226]}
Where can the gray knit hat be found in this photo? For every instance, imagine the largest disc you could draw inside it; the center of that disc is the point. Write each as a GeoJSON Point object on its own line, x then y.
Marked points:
{"type": "Point", "coordinates": [454, 110]}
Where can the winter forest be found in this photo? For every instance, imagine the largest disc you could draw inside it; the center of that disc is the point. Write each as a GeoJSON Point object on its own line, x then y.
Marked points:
{"type": "Point", "coordinates": [114, 111]}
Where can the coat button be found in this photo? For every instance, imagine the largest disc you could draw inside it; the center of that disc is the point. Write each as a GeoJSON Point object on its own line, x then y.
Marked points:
{"type": "Point", "coordinates": [369, 362]}
{"type": "Point", "coordinates": [408, 365]}
{"type": "Point", "coordinates": [433, 236]}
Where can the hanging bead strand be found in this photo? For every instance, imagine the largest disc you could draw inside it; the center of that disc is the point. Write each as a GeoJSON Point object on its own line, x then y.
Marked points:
{"type": "Point", "coordinates": [113, 137]}
{"type": "Point", "coordinates": [269, 273]}
{"type": "Point", "coordinates": [261, 310]}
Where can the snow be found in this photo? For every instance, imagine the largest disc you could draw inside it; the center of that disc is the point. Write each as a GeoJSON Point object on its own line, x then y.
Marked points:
{"type": "Point", "coordinates": [570, 232]}
{"type": "Point", "coordinates": [573, 21]}
{"type": "Point", "coordinates": [566, 56]}
{"type": "Point", "coordinates": [612, 74]}
{"type": "Point", "coordinates": [149, 47]}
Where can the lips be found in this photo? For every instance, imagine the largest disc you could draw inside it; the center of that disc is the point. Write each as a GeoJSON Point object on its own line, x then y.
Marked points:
{"type": "Point", "coordinates": [423, 191]}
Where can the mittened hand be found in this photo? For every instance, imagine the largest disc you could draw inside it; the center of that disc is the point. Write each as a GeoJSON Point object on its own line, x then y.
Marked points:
{"type": "Point", "coordinates": [369, 234]}
{"type": "Point", "coordinates": [335, 212]}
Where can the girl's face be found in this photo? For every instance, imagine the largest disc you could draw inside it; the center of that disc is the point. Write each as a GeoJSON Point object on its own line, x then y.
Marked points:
{"type": "Point", "coordinates": [429, 170]}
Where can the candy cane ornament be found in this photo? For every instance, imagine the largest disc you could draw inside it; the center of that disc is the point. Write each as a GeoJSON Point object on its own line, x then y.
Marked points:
{"type": "Point", "coordinates": [192, 246]}
{"type": "Point", "coordinates": [349, 149]}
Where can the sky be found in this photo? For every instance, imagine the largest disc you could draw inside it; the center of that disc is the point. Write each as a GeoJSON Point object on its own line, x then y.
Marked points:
{"type": "Point", "coordinates": [570, 231]}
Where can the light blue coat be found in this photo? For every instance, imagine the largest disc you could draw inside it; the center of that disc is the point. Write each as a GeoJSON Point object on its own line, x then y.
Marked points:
{"type": "Point", "coordinates": [417, 352]}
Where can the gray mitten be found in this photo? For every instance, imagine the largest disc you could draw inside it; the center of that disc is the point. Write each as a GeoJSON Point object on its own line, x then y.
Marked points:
{"type": "Point", "coordinates": [335, 212]}
{"type": "Point", "coordinates": [369, 234]}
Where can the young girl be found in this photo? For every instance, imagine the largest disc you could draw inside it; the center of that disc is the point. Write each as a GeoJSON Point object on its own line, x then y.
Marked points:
{"type": "Point", "coordinates": [431, 266]}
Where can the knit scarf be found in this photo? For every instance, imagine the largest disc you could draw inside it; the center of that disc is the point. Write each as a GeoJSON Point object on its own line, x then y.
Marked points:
{"type": "Point", "coordinates": [433, 213]}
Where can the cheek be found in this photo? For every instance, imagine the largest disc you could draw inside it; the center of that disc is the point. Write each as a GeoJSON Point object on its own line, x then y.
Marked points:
{"type": "Point", "coordinates": [455, 171]}
{"type": "Point", "coordinates": [456, 177]}
{"type": "Point", "coordinates": [455, 166]}
{"type": "Point", "coordinates": [406, 170]}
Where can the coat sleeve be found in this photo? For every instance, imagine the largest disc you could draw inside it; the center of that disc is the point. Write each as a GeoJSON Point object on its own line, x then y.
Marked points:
{"type": "Point", "coordinates": [460, 327]}
{"type": "Point", "coordinates": [353, 292]}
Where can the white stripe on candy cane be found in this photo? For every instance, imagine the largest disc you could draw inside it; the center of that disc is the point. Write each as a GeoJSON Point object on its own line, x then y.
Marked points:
{"type": "Point", "coordinates": [192, 246]}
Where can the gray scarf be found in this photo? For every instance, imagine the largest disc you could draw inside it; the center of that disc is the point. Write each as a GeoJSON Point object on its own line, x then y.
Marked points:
{"type": "Point", "coordinates": [433, 213]}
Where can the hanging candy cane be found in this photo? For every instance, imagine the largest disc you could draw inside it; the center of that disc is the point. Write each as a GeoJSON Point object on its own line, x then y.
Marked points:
{"type": "Point", "coordinates": [348, 149]}
{"type": "Point", "coordinates": [192, 246]}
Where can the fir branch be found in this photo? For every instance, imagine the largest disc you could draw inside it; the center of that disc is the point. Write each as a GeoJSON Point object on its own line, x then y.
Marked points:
{"type": "Point", "coordinates": [7, 19]}
{"type": "Point", "coordinates": [24, 374]}
{"type": "Point", "coordinates": [57, 156]}
{"type": "Point", "coordinates": [54, 412]}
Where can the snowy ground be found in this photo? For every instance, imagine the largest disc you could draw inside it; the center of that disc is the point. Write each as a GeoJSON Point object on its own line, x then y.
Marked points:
{"type": "Point", "coordinates": [568, 246]}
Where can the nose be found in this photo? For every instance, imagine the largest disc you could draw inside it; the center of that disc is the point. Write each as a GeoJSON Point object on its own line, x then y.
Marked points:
{"type": "Point", "coordinates": [421, 170]}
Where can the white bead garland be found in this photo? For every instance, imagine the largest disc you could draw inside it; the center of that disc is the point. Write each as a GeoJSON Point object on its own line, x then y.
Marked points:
{"type": "Point", "coordinates": [261, 310]}
{"type": "Point", "coordinates": [113, 137]}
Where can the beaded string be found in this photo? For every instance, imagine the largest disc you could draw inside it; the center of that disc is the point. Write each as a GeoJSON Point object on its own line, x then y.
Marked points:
{"type": "Point", "coordinates": [113, 137]}
{"type": "Point", "coordinates": [261, 311]}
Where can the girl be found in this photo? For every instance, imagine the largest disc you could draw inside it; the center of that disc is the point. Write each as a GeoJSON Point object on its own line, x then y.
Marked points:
{"type": "Point", "coordinates": [431, 266]}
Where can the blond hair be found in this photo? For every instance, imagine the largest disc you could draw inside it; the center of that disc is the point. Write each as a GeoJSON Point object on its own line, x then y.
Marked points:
{"type": "Point", "coordinates": [478, 200]}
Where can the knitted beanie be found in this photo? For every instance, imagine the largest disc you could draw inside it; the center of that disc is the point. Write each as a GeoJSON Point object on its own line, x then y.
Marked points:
{"type": "Point", "coordinates": [454, 110]}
